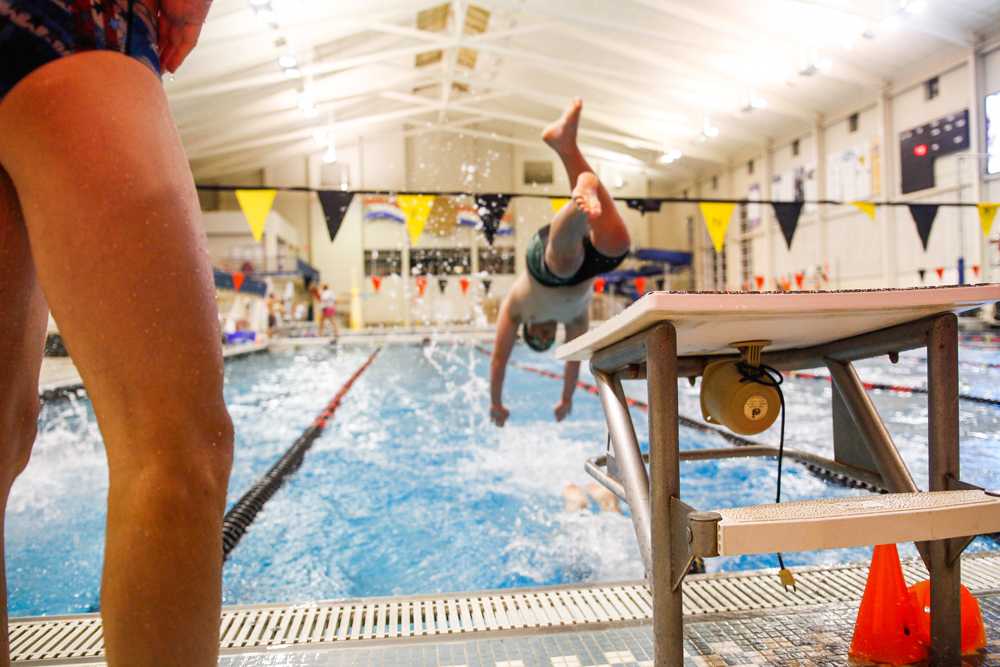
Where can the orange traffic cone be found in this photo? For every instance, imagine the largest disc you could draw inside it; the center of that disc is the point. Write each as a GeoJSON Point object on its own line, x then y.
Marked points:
{"type": "Point", "coordinates": [973, 629]}
{"type": "Point", "coordinates": [885, 631]}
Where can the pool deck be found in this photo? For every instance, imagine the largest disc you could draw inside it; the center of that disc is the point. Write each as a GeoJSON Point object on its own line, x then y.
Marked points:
{"type": "Point", "coordinates": [742, 618]}
{"type": "Point", "coordinates": [59, 375]}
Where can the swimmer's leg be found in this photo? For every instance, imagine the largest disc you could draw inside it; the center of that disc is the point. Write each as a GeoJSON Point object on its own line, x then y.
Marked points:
{"type": "Point", "coordinates": [608, 232]}
{"type": "Point", "coordinates": [113, 222]}
{"type": "Point", "coordinates": [24, 315]}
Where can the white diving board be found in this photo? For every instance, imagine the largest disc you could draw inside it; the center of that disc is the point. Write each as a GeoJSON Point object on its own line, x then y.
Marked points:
{"type": "Point", "coordinates": [832, 523]}
{"type": "Point", "coordinates": [708, 322]}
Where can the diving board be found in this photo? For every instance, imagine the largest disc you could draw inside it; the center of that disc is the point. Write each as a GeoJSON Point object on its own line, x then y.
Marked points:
{"type": "Point", "coordinates": [666, 336]}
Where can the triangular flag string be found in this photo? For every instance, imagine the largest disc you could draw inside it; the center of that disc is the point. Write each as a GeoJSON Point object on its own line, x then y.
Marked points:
{"type": "Point", "coordinates": [923, 217]}
{"type": "Point", "coordinates": [788, 219]}
{"type": "Point", "coordinates": [717, 218]}
{"type": "Point", "coordinates": [866, 207]}
{"type": "Point", "coordinates": [557, 203]}
{"type": "Point", "coordinates": [417, 209]}
{"type": "Point", "coordinates": [491, 209]}
{"type": "Point", "coordinates": [335, 204]}
{"type": "Point", "coordinates": [987, 213]}
{"type": "Point", "coordinates": [256, 205]}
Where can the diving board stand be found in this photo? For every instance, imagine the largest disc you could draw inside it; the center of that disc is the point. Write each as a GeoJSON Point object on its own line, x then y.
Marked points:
{"type": "Point", "coordinates": [665, 336]}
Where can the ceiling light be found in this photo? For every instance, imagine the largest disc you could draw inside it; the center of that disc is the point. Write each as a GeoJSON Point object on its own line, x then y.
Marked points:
{"type": "Point", "coordinates": [287, 61]}
{"type": "Point", "coordinates": [671, 156]}
{"type": "Point", "coordinates": [330, 156]}
{"type": "Point", "coordinates": [307, 104]}
{"type": "Point", "coordinates": [292, 73]}
{"type": "Point", "coordinates": [267, 15]}
{"type": "Point", "coordinates": [709, 131]}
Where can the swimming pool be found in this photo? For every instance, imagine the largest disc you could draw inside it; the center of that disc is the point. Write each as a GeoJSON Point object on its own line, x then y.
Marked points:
{"type": "Point", "coordinates": [411, 490]}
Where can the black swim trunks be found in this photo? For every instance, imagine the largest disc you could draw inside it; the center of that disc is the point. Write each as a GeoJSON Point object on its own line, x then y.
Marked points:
{"type": "Point", "coordinates": [594, 262]}
{"type": "Point", "coordinates": [36, 32]}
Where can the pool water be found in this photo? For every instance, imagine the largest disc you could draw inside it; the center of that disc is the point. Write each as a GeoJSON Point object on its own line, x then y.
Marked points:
{"type": "Point", "coordinates": [410, 489]}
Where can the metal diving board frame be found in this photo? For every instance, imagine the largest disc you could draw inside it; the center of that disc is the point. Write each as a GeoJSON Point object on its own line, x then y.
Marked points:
{"type": "Point", "coordinates": [671, 533]}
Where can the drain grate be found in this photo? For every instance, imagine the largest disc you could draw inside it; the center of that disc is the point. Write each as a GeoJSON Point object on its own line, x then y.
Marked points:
{"type": "Point", "coordinates": [78, 640]}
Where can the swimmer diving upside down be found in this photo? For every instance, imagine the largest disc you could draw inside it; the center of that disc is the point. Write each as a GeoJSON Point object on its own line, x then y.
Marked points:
{"type": "Point", "coordinates": [585, 239]}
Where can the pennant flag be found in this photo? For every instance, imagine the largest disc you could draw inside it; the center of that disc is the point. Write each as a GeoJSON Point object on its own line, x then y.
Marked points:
{"type": "Point", "coordinates": [238, 278]}
{"type": "Point", "coordinates": [760, 281]}
{"type": "Point", "coordinates": [866, 207]}
{"type": "Point", "coordinates": [335, 204]}
{"type": "Point", "coordinates": [377, 282]}
{"type": "Point", "coordinates": [599, 285]}
{"type": "Point", "coordinates": [922, 273]}
{"type": "Point", "coordinates": [975, 270]}
{"type": "Point", "coordinates": [717, 217]}
{"type": "Point", "coordinates": [463, 282]}
{"type": "Point", "coordinates": [788, 213]}
{"type": "Point", "coordinates": [417, 209]}
{"type": "Point", "coordinates": [746, 285]}
{"type": "Point", "coordinates": [256, 205]}
{"type": "Point", "coordinates": [491, 209]}
{"type": "Point", "coordinates": [442, 284]}
{"type": "Point", "coordinates": [640, 285]}
{"type": "Point", "coordinates": [799, 279]}
{"type": "Point", "coordinates": [421, 285]}
{"type": "Point", "coordinates": [940, 272]}
{"type": "Point", "coordinates": [443, 217]}
{"type": "Point", "coordinates": [558, 203]}
{"type": "Point", "coordinates": [923, 216]}
{"type": "Point", "coordinates": [644, 206]}
{"type": "Point", "coordinates": [987, 213]}
{"type": "Point", "coordinates": [487, 284]}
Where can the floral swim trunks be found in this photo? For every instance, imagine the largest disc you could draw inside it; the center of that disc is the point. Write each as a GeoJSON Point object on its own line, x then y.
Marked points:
{"type": "Point", "coordinates": [36, 32]}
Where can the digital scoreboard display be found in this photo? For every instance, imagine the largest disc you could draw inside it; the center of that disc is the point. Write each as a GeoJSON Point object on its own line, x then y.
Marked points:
{"type": "Point", "coordinates": [920, 146]}
{"type": "Point", "coordinates": [993, 133]}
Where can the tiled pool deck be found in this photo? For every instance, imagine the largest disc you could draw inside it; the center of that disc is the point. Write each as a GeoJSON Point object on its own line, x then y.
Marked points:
{"type": "Point", "coordinates": [802, 637]}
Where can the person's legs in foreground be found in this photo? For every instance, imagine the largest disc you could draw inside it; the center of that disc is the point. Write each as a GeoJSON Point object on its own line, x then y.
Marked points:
{"type": "Point", "coordinates": [592, 210]}
{"type": "Point", "coordinates": [112, 217]}
{"type": "Point", "coordinates": [24, 315]}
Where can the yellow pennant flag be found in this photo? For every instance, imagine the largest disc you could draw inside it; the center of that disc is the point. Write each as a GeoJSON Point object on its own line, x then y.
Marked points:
{"type": "Point", "coordinates": [717, 217]}
{"type": "Point", "coordinates": [987, 213]}
{"type": "Point", "coordinates": [416, 208]}
{"type": "Point", "coordinates": [866, 207]}
{"type": "Point", "coordinates": [256, 205]}
{"type": "Point", "coordinates": [557, 204]}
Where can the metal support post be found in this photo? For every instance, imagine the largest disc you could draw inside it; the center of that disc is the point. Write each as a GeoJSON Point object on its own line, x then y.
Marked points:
{"type": "Point", "coordinates": [628, 457]}
{"type": "Point", "coordinates": [944, 564]}
{"type": "Point", "coordinates": [865, 416]}
{"type": "Point", "coordinates": [664, 465]}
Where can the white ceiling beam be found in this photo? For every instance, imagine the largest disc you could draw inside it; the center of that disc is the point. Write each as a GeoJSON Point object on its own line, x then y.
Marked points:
{"type": "Point", "coordinates": [458, 11]}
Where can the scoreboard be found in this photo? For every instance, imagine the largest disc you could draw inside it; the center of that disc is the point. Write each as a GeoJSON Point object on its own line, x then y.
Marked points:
{"type": "Point", "coordinates": [920, 146]}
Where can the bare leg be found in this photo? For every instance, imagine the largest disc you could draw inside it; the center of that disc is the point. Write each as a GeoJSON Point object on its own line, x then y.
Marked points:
{"type": "Point", "coordinates": [24, 316]}
{"type": "Point", "coordinates": [608, 232]}
{"type": "Point", "coordinates": [112, 218]}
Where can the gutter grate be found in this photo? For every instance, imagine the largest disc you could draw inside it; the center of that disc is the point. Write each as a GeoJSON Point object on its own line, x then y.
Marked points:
{"type": "Point", "coordinates": [78, 640]}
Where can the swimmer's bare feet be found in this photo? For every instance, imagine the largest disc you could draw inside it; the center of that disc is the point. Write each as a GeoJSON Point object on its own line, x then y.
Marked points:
{"type": "Point", "coordinates": [585, 195]}
{"type": "Point", "coordinates": [561, 135]}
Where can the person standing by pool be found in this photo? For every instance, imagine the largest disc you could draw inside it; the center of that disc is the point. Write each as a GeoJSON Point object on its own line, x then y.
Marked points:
{"type": "Point", "coordinates": [585, 239]}
{"type": "Point", "coordinates": [328, 310]}
{"type": "Point", "coordinates": [99, 221]}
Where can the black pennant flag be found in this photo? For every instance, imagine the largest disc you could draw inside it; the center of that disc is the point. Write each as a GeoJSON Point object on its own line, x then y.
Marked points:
{"type": "Point", "coordinates": [491, 209]}
{"type": "Point", "coordinates": [922, 273]}
{"type": "Point", "coordinates": [644, 206]}
{"type": "Point", "coordinates": [923, 216]}
{"type": "Point", "coordinates": [487, 283]}
{"type": "Point", "coordinates": [788, 213]}
{"type": "Point", "coordinates": [335, 204]}
{"type": "Point", "coordinates": [442, 284]}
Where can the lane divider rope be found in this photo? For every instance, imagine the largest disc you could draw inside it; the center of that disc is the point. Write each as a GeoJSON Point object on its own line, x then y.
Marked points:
{"type": "Point", "coordinates": [245, 510]}
{"type": "Point", "coordinates": [899, 389]}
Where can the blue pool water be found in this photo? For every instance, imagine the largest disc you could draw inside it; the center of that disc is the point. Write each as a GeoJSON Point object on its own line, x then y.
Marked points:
{"type": "Point", "coordinates": [411, 490]}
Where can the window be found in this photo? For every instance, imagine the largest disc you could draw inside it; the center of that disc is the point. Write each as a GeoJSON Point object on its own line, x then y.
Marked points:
{"type": "Point", "coordinates": [795, 148]}
{"type": "Point", "coordinates": [496, 260]}
{"type": "Point", "coordinates": [383, 262]}
{"type": "Point", "coordinates": [750, 167]}
{"type": "Point", "coordinates": [932, 87]}
{"type": "Point", "coordinates": [993, 133]}
{"type": "Point", "coordinates": [538, 172]}
{"type": "Point", "coordinates": [715, 182]}
{"type": "Point", "coordinates": [440, 261]}
{"type": "Point", "coordinates": [746, 247]}
{"type": "Point", "coordinates": [852, 122]}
